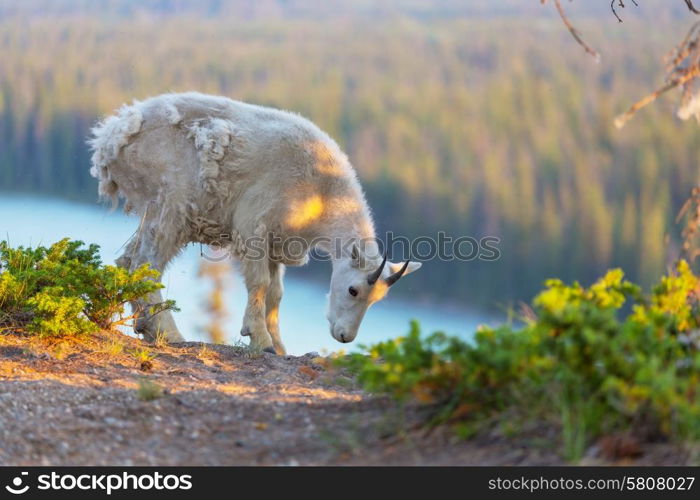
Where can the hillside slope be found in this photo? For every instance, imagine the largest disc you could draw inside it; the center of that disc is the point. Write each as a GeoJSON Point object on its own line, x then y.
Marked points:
{"type": "Point", "coordinates": [85, 403]}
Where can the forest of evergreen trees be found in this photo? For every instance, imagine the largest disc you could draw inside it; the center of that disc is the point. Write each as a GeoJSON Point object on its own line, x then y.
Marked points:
{"type": "Point", "coordinates": [452, 125]}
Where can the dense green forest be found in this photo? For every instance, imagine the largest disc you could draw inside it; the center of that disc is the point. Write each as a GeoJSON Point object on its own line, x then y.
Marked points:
{"type": "Point", "coordinates": [479, 123]}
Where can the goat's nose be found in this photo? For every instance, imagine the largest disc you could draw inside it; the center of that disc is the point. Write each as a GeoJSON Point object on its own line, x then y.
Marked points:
{"type": "Point", "coordinates": [342, 337]}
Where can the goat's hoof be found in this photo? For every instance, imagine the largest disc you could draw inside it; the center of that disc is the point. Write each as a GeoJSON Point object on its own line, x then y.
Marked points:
{"type": "Point", "coordinates": [270, 350]}
{"type": "Point", "coordinates": [245, 332]}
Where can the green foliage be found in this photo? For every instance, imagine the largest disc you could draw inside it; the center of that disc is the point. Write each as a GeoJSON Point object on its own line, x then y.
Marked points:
{"type": "Point", "coordinates": [583, 362]}
{"type": "Point", "coordinates": [142, 354]}
{"type": "Point", "coordinates": [58, 315]}
{"type": "Point", "coordinates": [66, 290]}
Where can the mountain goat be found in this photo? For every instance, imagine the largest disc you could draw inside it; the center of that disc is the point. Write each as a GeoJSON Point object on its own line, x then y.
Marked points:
{"type": "Point", "coordinates": [208, 169]}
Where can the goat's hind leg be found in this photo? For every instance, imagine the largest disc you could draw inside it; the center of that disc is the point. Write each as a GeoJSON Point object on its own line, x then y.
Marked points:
{"type": "Point", "coordinates": [142, 250]}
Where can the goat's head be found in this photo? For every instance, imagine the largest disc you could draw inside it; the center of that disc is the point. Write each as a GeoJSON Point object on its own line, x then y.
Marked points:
{"type": "Point", "coordinates": [358, 282]}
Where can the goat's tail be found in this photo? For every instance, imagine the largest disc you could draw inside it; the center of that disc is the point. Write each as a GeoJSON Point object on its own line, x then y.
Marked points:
{"type": "Point", "coordinates": [107, 139]}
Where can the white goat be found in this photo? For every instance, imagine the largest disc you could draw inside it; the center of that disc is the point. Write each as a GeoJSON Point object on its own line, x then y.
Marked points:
{"type": "Point", "coordinates": [208, 169]}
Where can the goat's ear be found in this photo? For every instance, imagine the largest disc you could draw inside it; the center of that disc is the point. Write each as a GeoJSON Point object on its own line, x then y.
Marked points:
{"type": "Point", "coordinates": [356, 258]}
{"type": "Point", "coordinates": [396, 266]}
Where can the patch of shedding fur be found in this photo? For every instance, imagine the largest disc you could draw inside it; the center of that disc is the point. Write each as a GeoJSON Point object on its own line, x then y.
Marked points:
{"type": "Point", "coordinates": [172, 114]}
{"type": "Point", "coordinates": [206, 230]}
{"type": "Point", "coordinates": [212, 139]}
{"type": "Point", "coordinates": [108, 137]}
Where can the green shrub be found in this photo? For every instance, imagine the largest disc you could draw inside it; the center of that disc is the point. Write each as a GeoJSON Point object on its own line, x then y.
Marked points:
{"type": "Point", "coordinates": [583, 363]}
{"type": "Point", "coordinates": [66, 290]}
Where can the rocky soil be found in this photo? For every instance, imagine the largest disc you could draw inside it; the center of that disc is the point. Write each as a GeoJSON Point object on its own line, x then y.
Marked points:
{"type": "Point", "coordinates": [116, 400]}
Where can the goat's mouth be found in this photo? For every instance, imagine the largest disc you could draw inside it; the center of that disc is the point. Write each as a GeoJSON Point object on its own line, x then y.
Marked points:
{"type": "Point", "coordinates": [341, 335]}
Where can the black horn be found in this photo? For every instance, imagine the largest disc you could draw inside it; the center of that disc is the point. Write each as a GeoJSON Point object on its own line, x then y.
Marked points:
{"type": "Point", "coordinates": [397, 275]}
{"type": "Point", "coordinates": [372, 278]}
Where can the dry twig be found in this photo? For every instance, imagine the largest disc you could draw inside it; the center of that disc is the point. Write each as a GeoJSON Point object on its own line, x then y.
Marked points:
{"type": "Point", "coordinates": [620, 3]}
{"type": "Point", "coordinates": [683, 69]}
{"type": "Point", "coordinates": [574, 32]}
{"type": "Point", "coordinates": [691, 229]}
{"type": "Point", "coordinates": [620, 120]}
{"type": "Point", "coordinates": [217, 272]}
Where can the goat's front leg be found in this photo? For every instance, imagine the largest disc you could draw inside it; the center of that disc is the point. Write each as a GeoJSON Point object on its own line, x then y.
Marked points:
{"type": "Point", "coordinates": [272, 305]}
{"type": "Point", "coordinates": [257, 281]}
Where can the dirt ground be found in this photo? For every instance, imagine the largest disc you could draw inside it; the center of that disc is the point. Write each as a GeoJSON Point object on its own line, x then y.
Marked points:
{"type": "Point", "coordinates": [87, 403]}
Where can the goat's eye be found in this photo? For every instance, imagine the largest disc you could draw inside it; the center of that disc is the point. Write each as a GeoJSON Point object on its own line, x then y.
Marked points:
{"type": "Point", "coordinates": [352, 291]}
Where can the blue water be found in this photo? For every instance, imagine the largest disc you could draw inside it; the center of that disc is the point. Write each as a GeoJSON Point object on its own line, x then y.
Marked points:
{"type": "Point", "coordinates": [33, 220]}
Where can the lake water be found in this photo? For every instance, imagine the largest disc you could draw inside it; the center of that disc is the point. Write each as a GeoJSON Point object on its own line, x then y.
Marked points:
{"type": "Point", "coordinates": [33, 220]}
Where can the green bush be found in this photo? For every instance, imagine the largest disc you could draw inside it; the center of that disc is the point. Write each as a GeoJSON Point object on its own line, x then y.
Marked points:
{"type": "Point", "coordinates": [66, 290]}
{"type": "Point", "coordinates": [597, 360]}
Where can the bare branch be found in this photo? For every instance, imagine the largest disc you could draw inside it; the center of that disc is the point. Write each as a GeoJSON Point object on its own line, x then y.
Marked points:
{"type": "Point", "coordinates": [624, 118]}
{"type": "Point", "coordinates": [683, 71]}
{"type": "Point", "coordinates": [691, 211]}
{"type": "Point", "coordinates": [621, 4]}
{"type": "Point", "coordinates": [612, 7]}
{"type": "Point", "coordinates": [574, 32]}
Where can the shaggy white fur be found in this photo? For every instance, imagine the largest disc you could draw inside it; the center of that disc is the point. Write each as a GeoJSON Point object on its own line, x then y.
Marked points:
{"type": "Point", "coordinates": [200, 168]}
